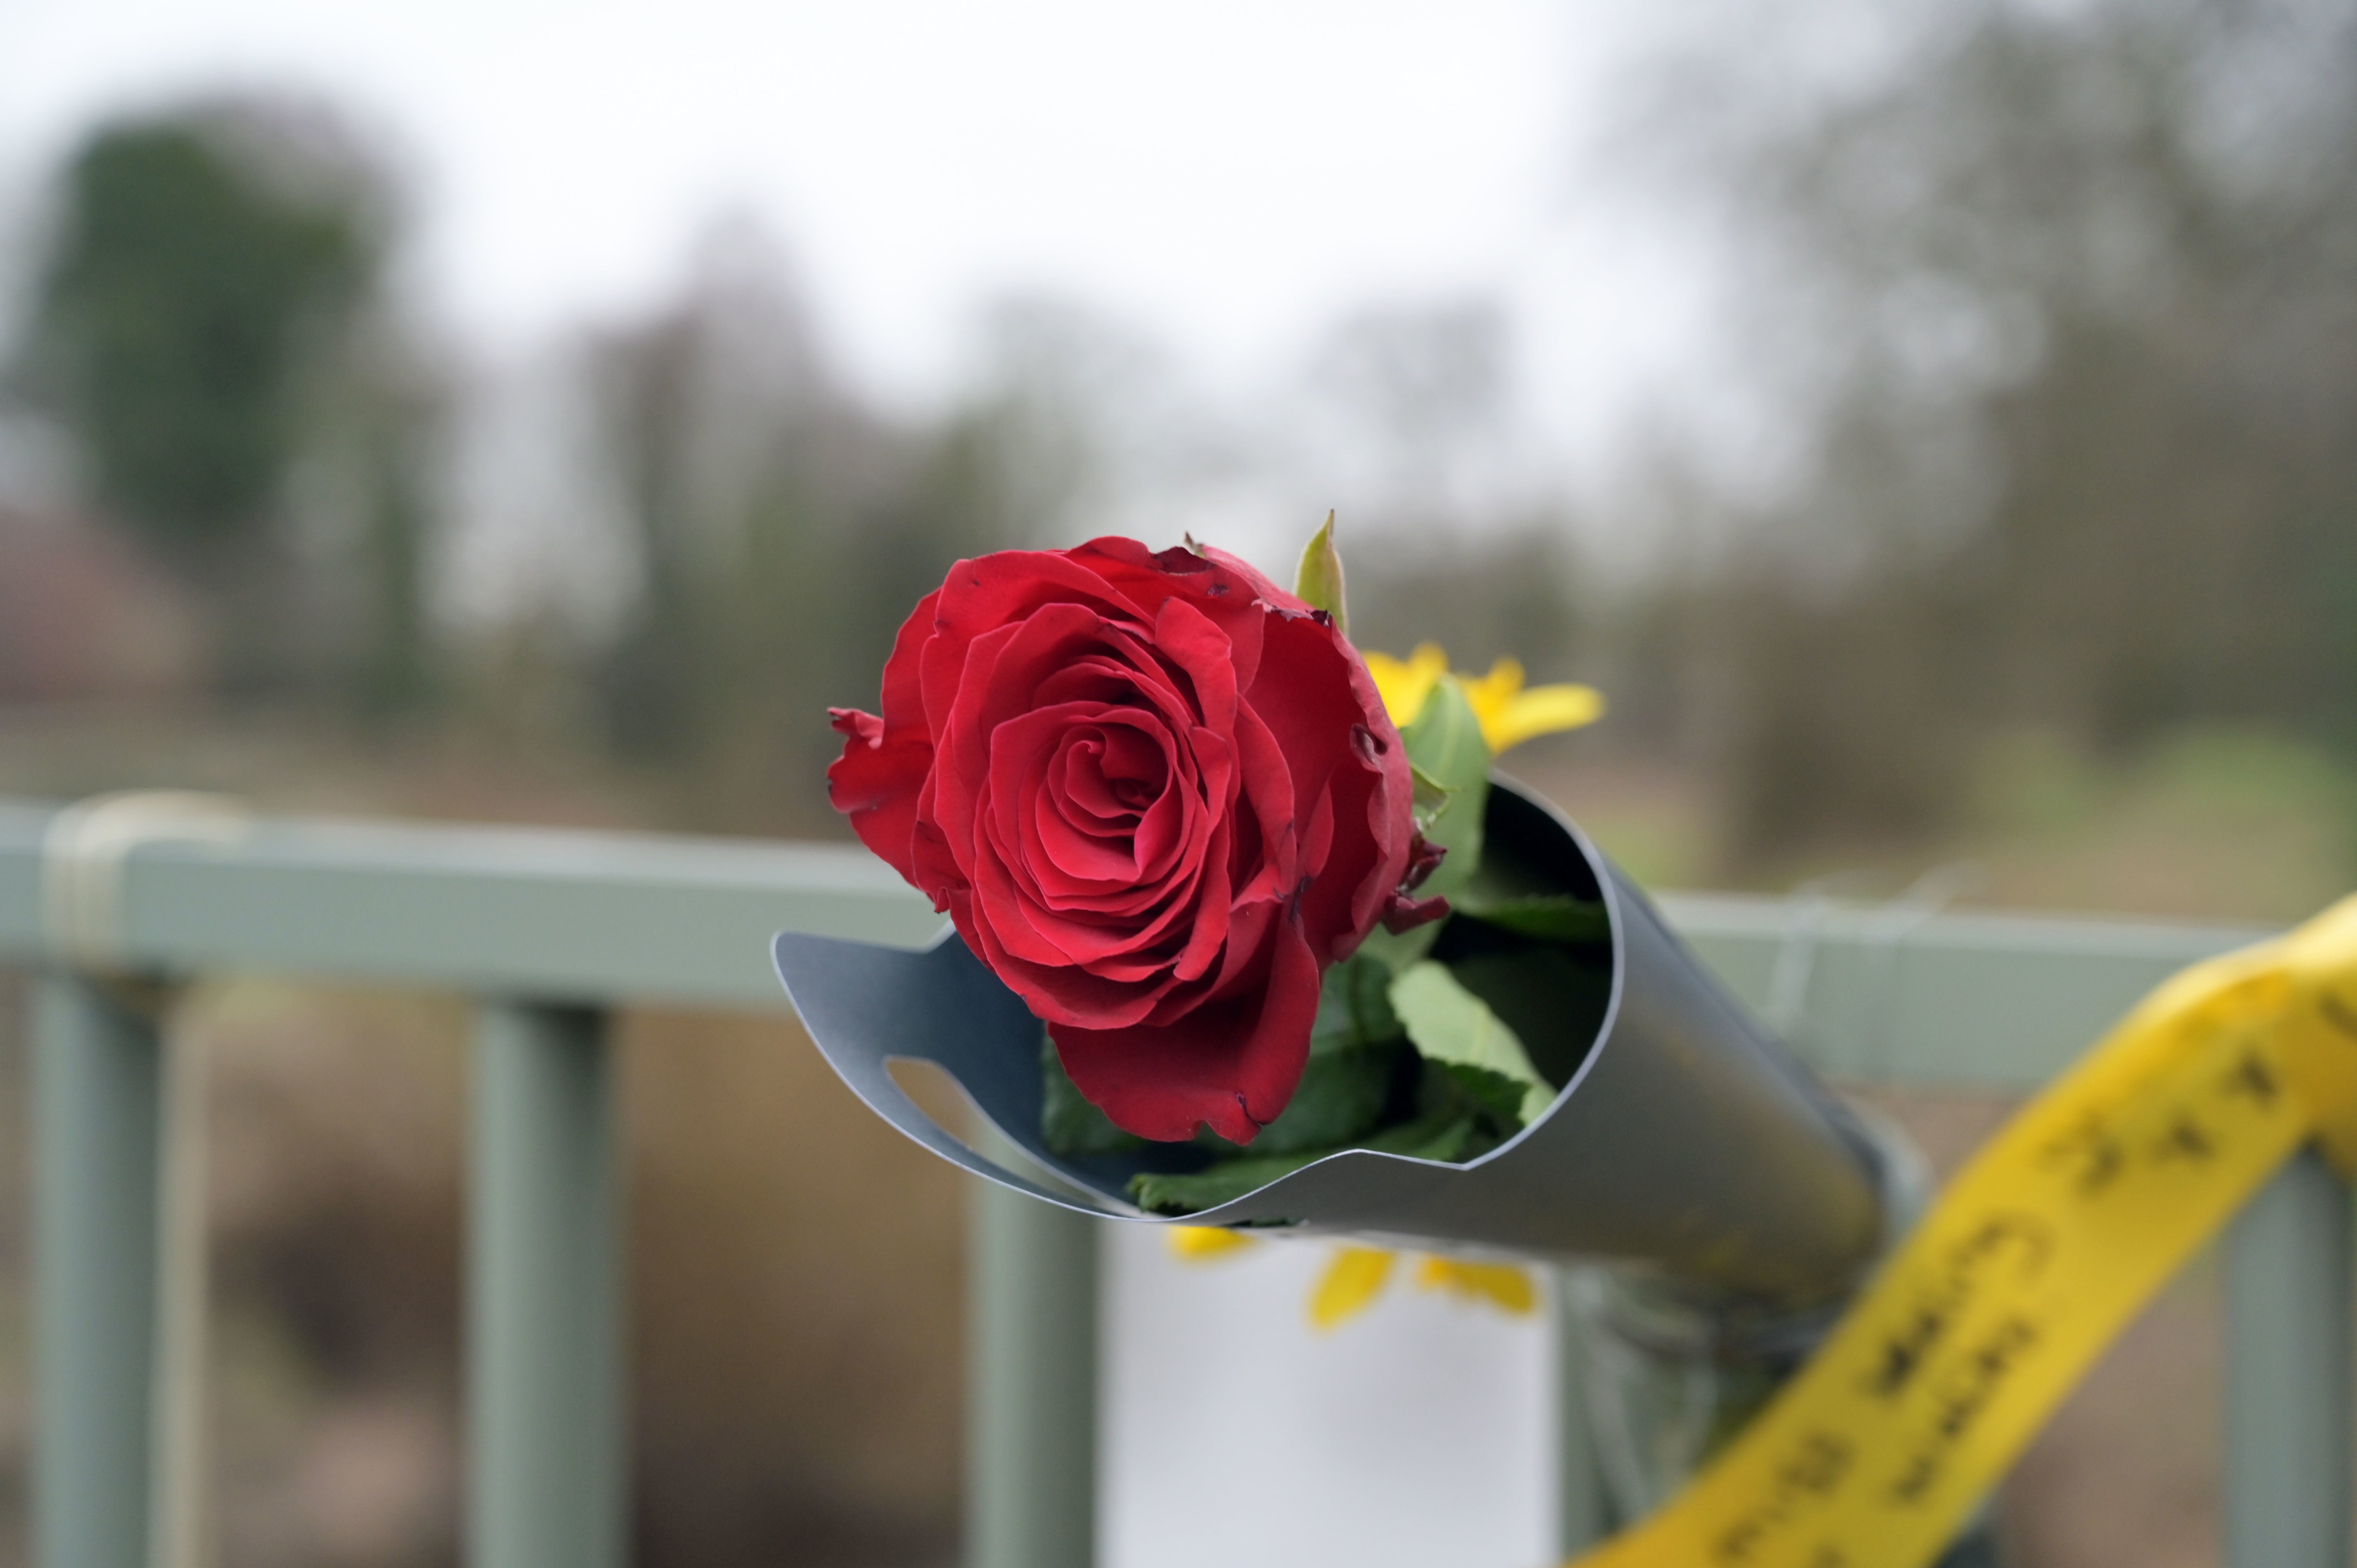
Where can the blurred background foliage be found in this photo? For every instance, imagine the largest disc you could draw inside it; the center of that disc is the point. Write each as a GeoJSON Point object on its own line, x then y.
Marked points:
{"type": "Point", "coordinates": [2055, 573]}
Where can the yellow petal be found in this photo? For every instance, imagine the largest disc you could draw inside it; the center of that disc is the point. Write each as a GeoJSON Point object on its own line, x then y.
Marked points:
{"type": "Point", "coordinates": [1500, 1284]}
{"type": "Point", "coordinates": [1405, 683]}
{"type": "Point", "coordinates": [1350, 1284]}
{"type": "Point", "coordinates": [1542, 710]}
{"type": "Point", "coordinates": [1201, 1243]}
{"type": "Point", "coordinates": [1493, 693]}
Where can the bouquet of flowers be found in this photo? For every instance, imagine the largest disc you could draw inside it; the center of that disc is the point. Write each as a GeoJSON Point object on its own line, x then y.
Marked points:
{"type": "Point", "coordinates": [1234, 866]}
{"type": "Point", "coordinates": [1247, 933]}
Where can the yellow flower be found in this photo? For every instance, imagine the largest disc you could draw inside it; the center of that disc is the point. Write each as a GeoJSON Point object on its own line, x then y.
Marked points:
{"type": "Point", "coordinates": [1508, 712]}
{"type": "Point", "coordinates": [1196, 1243]}
{"type": "Point", "coordinates": [1500, 1284]}
{"type": "Point", "coordinates": [1405, 683]}
{"type": "Point", "coordinates": [1350, 1286]}
{"type": "Point", "coordinates": [1356, 1276]}
{"type": "Point", "coordinates": [1511, 716]}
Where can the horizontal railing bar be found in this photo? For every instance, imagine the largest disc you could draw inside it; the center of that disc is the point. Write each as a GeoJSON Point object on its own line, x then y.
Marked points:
{"type": "Point", "coordinates": [1968, 999]}
{"type": "Point", "coordinates": [534, 914]}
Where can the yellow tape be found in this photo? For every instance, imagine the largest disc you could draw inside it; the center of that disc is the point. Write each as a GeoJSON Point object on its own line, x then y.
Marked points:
{"type": "Point", "coordinates": [2032, 1260]}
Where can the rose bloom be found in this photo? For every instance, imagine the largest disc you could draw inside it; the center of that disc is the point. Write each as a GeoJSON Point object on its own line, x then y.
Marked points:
{"type": "Point", "coordinates": [1158, 795]}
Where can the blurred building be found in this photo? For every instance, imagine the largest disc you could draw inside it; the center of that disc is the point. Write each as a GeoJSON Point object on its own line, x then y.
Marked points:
{"type": "Point", "coordinates": [84, 619]}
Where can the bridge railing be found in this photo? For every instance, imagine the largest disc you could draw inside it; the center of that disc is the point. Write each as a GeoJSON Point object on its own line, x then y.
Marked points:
{"type": "Point", "coordinates": [550, 932]}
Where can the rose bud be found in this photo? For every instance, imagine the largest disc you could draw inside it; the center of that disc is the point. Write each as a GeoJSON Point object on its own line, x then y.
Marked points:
{"type": "Point", "coordinates": [1158, 796]}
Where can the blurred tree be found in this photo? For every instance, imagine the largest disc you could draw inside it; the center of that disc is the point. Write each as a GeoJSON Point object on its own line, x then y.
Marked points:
{"type": "Point", "coordinates": [179, 313]}
{"type": "Point", "coordinates": [1411, 409]}
{"type": "Point", "coordinates": [1507, 593]}
{"type": "Point", "coordinates": [654, 681]}
{"type": "Point", "coordinates": [2067, 293]}
{"type": "Point", "coordinates": [782, 531]}
{"type": "Point", "coordinates": [198, 330]}
{"type": "Point", "coordinates": [395, 433]}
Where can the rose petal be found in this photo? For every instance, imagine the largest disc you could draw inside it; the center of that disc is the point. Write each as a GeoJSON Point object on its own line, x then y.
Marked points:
{"type": "Point", "coordinates": [1226, 590]}
{"type": "Point", "coordinates": [885, 759]}
{"type": "Point", "coordinates": [1231, 1065]}
{"type": "Point", "coordinates": [1403, 914]}
{"type": "Point", "coordinates": [1266, 862]}
{"type": "Point", "coordinates": [1022, 751]}
{"type": "Point", "coordinates": [1309, 678]}
{"type": "Point", "coordinates": [1156, 793]}
{"type": "Point", "coordinates": [1055, 993]}
{"type": "Point", "coordinates": [1186, 636]}
{"type": "Point", "coordinates": [961, 749]}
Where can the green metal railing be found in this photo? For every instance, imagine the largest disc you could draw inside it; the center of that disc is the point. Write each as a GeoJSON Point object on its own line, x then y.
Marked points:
{"type": "Point", "coordinates": [551, 930]}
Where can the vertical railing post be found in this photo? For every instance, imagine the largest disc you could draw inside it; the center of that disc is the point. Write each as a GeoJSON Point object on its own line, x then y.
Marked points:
{"type": "Point", "coordinates": [2289, 1318]}
{"type": "Point", "coordinates": [177, 1514]}
{"type": "Point", "coordinates": [545, 1382]}
{"type": "Point", "coordinates": [1031, 1425]}
{"type": "Point", "coordinates": [98, 1086]}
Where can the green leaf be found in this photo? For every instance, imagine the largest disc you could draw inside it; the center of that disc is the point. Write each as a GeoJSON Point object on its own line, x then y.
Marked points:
{"type": "Point", "coordinates": [1354, 1007]}
{"type": "Point", "coordinates": [1475, 1089]}
{"type": "Point", "coordinates": [1450, 1024]}
{"type": "Point", "coordinates": [1431, 800]}
{"type": "Point", "coordinates": [1397, 951]}
{"type": "Point", "coordinates": [1490, 1098]}
{"type": "Point", "coordinates": [1553, 996]}
{"type": "Point", "coordinates": [1445, 745]}
{"type": "Point", "coordinates": [1444, 740]}
{"type": "Point", "coordinates": [1450, 763]}
{"type": "Point", "coordinates": [1449, 1137]}
{"type": "Point", "coordinates": [1462, 1112]}
{"type": "Point", "coordinates": [1452, 1131]}
{"type": "Point", "coordinates": [1340, 1099]}
{"type": "Point", "coordinates": [1354, 1050]}
{"type": "Point", "coordinates": [1550, 916]}
{"type": "Point", "coordinates": [1165, 1193]}
{"type": "Point", "coordinates": [1318, 584]}
{"type": "Point", "coordinates": [1068, 1124]}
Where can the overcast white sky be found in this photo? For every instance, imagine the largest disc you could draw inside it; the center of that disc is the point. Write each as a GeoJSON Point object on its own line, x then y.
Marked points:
{"type": "Point", "coordinates": [1228, 176]}
{"type": "Point", "coordinates": [1228, 179]}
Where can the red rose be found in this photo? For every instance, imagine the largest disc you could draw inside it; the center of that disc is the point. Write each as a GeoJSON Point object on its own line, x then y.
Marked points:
{"type": "Point", "coordinates": [1157, 794]}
